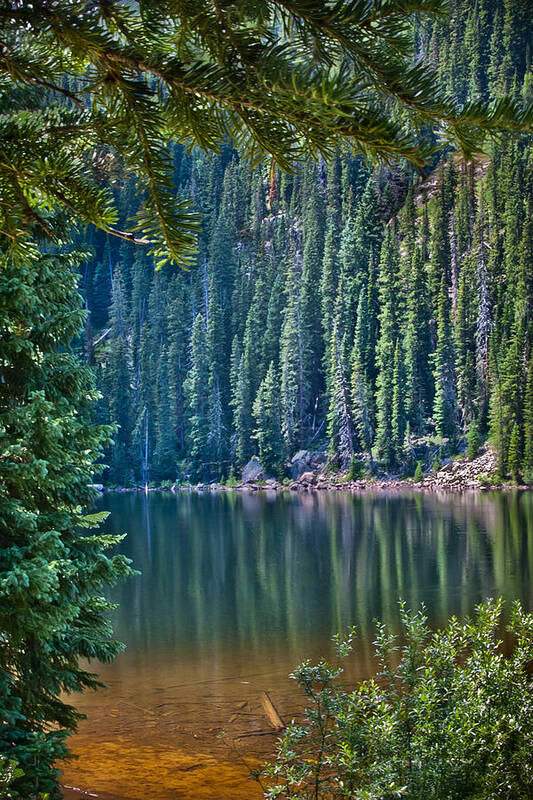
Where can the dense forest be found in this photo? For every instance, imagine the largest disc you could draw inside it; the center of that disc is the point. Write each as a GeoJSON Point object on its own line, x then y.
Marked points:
{"type": "Point", "coordinates": [372, 311]}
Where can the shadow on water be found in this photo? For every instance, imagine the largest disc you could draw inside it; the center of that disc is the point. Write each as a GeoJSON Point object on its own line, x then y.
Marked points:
{"type": "Point", "coordinates": [236, 589]}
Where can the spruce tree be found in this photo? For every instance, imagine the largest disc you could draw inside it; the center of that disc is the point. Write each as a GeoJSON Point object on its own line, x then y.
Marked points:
{"type": "Point", "coordinates": [385, 350]}
{"type": "Point", "coordinates": [439, 267]}
{"type": "Point", "coordinates": [197, 396]}
{"type": "Point", "coordinates": [267, 413]}
{"type": "Point", "coordinates": [399, 416]}
{"type": "Point", "coordinates": [310, 307]}
{"type": "Point", "coordinates": [242, 409]}
{"type": "Point", "coordinates": [418, 379]}
{"type": "Point", "coordinates": [360, 383]}
{"type": "Point", "coordinates": [117, 381]}
{"type": "Point", "coordinates": [294, 388]}
{"type": "Point", "coordinates": [527, 464]}
{"type": "Point", "coordinates": [52, 572]}
{"type": "Point", "coordinates": [445, 406]}
{"type": "Point", "coordinates": [474, 440]}
{"type": "Point", "coordinates": [330, 264]}
{"type": "Point", "coordinates": [340, 424]}
{"type": "Point", "coordinates": [514, 456]}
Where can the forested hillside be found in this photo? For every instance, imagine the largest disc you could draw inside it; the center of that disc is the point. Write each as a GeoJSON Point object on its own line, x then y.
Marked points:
{"type": "Point", "coordinates": [367, 310]}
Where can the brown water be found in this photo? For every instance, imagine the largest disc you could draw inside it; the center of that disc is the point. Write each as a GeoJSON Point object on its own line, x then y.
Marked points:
{"type": "Point", "coordinates": [236, 589]}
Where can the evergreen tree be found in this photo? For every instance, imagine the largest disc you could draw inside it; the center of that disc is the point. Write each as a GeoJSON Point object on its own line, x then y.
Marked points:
{"type": "Point", "coordinates": [474, 440]}
{"type": "Point", "coordinates": [440, 266]}
{"type": "Point", "coordinates": [484, 321]}
{"type": "Point", "coordinates": [330, 265]}
{"type": "Point", "coordinates": [399, 416]}
{"type": "Point", "coordinates": [514, 457]}
{"type": "Point", "coordinates": [52, 611]}
{"type": "Point", "coordinates": [360, 384]}
{"type": "Point", "coordinates": [267, 413]}
{"type": "Point", "coordinates": [385, 351]}
{"type": "Point", "coordinates": [507, 399]}
{"type": "Point", "coordinates": [178, 301]}
{"type": "Point", "coordinates": [418, 380]}
{"type": "Point", "coordinates": [292, 354]}
{"type": "Point", "coordinates": [197, 397]}
{"type": "Point", "coordinates": [340, 425]}
{"type": "Point", "coordinates": [445, 407]}
{"type": "Point", "coordinates": [527, 465]}
{"type": "Point", "coordinates": [165, 445]}
{"type": "Point", "coordinates": [117, 388]}
{"type": "Point", "coordinates": [310, 310]}
{"type": "Point", "coordinates": [242, 408]}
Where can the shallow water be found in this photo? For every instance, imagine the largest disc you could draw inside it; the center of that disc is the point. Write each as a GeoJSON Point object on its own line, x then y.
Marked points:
{"type": "Point", "coordinates": [237, 588]}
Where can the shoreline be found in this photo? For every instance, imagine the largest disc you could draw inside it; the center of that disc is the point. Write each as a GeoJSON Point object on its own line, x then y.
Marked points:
{"type": "Point", "coordinates": [426, 486]}
{"type": "Point", "coordinates": [455, 475]}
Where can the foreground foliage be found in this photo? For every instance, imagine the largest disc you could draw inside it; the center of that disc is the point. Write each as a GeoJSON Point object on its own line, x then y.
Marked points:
{"type": "Point", "coordinates": [52, 568]}
{"type": "Point", "coordinates": [449, 715]}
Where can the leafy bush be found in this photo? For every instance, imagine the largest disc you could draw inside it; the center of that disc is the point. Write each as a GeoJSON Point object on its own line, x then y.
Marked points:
{"type": "Point", "coordinates": [489, 479]}
{"type": "Point", "coordinates": [448, 717]}
{"type": "Point", "coordinates": [418, 476]}
{"type": "Point", "coordinates": [231, 480]}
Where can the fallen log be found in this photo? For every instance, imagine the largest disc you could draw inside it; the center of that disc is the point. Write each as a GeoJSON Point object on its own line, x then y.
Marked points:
{"type": "Point", "coordinates": [271, 712]}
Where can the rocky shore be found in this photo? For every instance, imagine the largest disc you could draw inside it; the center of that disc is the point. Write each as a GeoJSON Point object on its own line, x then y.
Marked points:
{"type": "Point", "coordinates": [455, 475]}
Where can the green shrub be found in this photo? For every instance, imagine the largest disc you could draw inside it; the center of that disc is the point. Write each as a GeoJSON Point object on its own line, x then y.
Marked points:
{"type": "Point", "coordinates": [419, 475]}
{"type": "Point", "coordinates": [448, 717]}
{"type": "Point", "coordinates": [491, 479]}
{"type": "Point", "coordinates": [231, 480]}
{"type": "Point", "coordinates": [356, 470]}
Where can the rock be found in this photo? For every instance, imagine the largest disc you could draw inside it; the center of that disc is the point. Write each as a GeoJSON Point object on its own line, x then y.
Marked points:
{"type": "Point", "coordinates": [253, 471]}
{"type": "Point", "coordinates": [299, 463]}
{"type": "Point", "coordinates": [305, 461]}
{"type": "Point", "coordinates": [99, 487]}
{"type": "Point", "coordinates": [307, 477]}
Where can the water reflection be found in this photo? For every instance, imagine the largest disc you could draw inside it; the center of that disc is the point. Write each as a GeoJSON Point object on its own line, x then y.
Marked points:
{"type": "Point", "coordinates": [237, 588]}
{"type": "Point", "coordinates": [247, 570]}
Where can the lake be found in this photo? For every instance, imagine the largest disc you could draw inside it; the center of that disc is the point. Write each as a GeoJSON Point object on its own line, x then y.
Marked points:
{"type": "Point", "coordinates": [237, 588]}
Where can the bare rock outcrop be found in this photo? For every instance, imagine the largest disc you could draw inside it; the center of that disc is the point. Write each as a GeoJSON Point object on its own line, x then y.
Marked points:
{"type": "Point", "coordinates": [252, 471]}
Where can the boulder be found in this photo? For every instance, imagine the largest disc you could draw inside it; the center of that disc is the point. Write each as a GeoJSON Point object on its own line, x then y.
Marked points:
{"type": "Point", "coordinates": [305, 461]}
{"type": "Point", "coordinates": [307, 477]}
{"type": "Point", "coordinates": [252, 471]}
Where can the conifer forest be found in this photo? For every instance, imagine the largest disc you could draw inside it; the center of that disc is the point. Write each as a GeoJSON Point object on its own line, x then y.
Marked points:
{"type": "Point", "coordinates": [361, 309]}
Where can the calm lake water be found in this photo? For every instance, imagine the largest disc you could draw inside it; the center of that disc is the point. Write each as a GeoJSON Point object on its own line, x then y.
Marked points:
{"type": "Point", "coordinates": [237, 588]}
